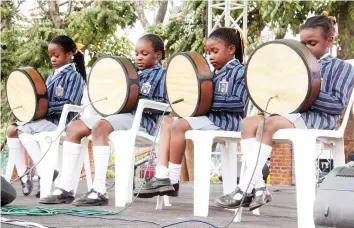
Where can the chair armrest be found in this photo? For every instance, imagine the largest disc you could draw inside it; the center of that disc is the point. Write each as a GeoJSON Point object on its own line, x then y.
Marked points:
{"type": "Point", "coordinates": [144, 103]}
{"type": "Point", "coordinates": [67, 108]}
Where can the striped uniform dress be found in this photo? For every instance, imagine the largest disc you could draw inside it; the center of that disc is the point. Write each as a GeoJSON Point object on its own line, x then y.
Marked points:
{"type": "Point", "coordinates": [66, 87]}
{"type": "Point", "coordinates": [230, 97]}
{"type": "Point", "coordinates": [71, 83]}
{"type": "Point", "coordinates": [336, 89]}
{"type": "Point", "coordinates": [152, 84]}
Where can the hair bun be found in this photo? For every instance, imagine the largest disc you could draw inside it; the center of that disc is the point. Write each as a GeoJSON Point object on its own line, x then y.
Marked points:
{"type": "Point", "coordinates": [332, 18]}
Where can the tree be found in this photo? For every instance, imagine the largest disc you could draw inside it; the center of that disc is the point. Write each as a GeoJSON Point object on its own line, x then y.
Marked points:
{"type": "Point", "coordinates": [344, 12]}
{"type": "Point", "coordinates": [92, 23]}
{"type": "Point", "coordinates": [188, 30]}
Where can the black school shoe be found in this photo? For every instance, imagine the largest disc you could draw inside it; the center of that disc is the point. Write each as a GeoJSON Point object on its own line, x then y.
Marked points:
{"type": "Point", "coordinates": [101, 200]}
{"type": "Point", "coordinates": [55, 175]}
{"type": "Point", "coordinates": [228, 201]}
{"type": "Point", "coordinates": [64, 197]}
{"type": "Point", "coordinates": [261, 200]}
{"type": "Point", "coordinates": [175, 193]}
{"type": "Point", "coordinates": [27, 186]}
{"type": "Point", "coordinates": [157, 187]}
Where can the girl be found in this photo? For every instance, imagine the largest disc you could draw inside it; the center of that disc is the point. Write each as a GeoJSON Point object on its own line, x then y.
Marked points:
{"type": "Point", "coordinates": [149, 51]}
{"type": "Point", "coordinates": [65, 86]}
{"type": "Point", "coordinates": [225, 48]}
{"type": "Point", "coordinates": [317, 33]}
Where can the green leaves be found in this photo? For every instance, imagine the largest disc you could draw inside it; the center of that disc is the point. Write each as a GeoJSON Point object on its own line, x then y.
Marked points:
{"type": "Point", "coordinates": [187, 32]}
{"type": "Point", "coordinates": [113, 46]}
{"type": "Point", "coordinates": [93, 25]}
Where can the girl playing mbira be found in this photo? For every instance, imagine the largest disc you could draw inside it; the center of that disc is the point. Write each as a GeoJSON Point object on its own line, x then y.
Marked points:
{"type": "Point", "coordinates": [225, 48]}
{"type": "Point", "coordinates": [317, 33]}
{"type": "Point", "coordinates": [65, 86]}
{"type": "Point", "coordinates": [149, 50]}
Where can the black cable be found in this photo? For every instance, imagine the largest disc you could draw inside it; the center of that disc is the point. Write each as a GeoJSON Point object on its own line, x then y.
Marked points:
{"type": "Point", "coordinates": [116, 219]}
{"type": "Point", "coordinates": [48, 139]}
{"type": "Point", "coordinates": [191, 220]}
{"type": "Point", "coordinates": [254, 170]}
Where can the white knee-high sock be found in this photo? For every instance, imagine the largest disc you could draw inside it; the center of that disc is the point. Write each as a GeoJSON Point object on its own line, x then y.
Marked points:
{"type": "Point", "coordinates": [101, 158]}
{"type": "Point", "coordinates": [15, 148]}
{"type": "Point", "coordinates": [71, 155]}
{"type": "Point", "coordinates": [246, 148]}
{"type": "Point", "coordinates": [174, 172]}
{"type": "Point", "coordinates": [32, 148]}
{"type": "Point", "coordinates": [251, 165]}
{"type": "Point", "coordinates": [161, 172]}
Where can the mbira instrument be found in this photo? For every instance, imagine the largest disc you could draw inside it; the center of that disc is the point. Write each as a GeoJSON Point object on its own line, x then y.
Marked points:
{"type": "Point", "coordinates": [114, 81]}
{"type": "Point", "coordinates": [188, 77]}
{"type": "Point", "coordinates": [27, 94]}
{"type": "Point", "coordinates": [286, 70]}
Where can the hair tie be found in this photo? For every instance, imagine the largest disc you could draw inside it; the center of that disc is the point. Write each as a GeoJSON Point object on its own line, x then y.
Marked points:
{"type": "Point", "coordinates": [78, 47]}
{"type": "Point", "coordinates": [332, 18]}
{"type": "Point", "coordinates": [243, 40]}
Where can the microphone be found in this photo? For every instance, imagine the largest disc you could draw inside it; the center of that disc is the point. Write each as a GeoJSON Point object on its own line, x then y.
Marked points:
{"type": "Point", "coordinates": [177, 101]}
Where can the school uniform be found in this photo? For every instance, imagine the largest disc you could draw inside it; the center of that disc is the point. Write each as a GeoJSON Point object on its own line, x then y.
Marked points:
{"type": "Point", "coordinates": [64, 86]}
{"type": "Point", "coordinates": [336, 88]}
{"type": "Point", "coordinates": [229, 101]}
{"type": "Point", "coordinates": [152, 87]}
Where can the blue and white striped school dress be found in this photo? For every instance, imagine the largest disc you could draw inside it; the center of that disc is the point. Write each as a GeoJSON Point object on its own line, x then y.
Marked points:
{"type": "Point", "coordinates": [64, 86]}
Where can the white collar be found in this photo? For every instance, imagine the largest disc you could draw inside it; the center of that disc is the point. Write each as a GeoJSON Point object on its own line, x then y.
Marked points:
{"type": "Point", "coordinates": [56, 71]}
{"type": "Point", "coordinates": [324, 56]}
{"type": "Point", "coordinates": [217, 71]}
{"type": "Point", "coordinates": [230, 61]}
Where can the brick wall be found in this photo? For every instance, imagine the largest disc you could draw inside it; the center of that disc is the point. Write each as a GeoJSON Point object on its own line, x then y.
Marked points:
{"type": "Point", "coordinates": [281, 164]}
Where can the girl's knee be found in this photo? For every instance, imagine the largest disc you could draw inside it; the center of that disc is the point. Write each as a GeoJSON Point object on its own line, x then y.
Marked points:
{"type": "Point", "coordinates": [11, 131]}
{"type": "Point", "coordinates": [101, 128]}
{"type": "Point", "coordinates": [180, 126]}
{"type": "Point", "coordinates": [76, 130]}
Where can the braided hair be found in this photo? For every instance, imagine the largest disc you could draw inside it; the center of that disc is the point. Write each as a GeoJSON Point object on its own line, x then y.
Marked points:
{"type": "Point", "coordinates": [322, 21]}
{"type": "Point", "coordinates": [231, 37]}
{"type": "Point", "coordinates": [69, 46]}
{"type": "Point", "coordinates": [156, 42]}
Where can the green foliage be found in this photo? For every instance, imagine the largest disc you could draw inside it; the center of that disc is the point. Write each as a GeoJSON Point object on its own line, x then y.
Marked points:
{"type": "Point", "coordinates": [344, 12]}
{"type": "Point", "coordinates": [113, 46]}
{"type": "Point", "coordinates": [93, 25]}
{"type": "Point", "coordinates": [282, 15]}
{"type": "Point", "coordinates": [187, 33]}
{"type": "Point", "coordinates": [4, 153]}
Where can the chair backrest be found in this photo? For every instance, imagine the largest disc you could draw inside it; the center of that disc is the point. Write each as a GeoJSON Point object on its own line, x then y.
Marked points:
{"type": "Point", "coordinates": [347, 114]}
{"type": "Point", "coordinates": [89, 111]}
{"type": "Point", "coordinates": [349, 107]}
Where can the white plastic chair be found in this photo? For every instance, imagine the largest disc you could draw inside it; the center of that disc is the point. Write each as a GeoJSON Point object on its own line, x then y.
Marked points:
{"type": "Point", "coordinates": [124, 143]}
{"type": "Point", "coordinates": [52, 159]}
{"type": "Point", "coordinates": [203, 141]}
{"type": "Point", "coordinates": [304, 142]}
{"type": "Point", "coordinates": [305, 168]}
